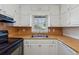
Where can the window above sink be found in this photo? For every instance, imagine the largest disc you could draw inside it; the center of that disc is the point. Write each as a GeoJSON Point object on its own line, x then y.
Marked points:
{"type": "Point", "coordinates": [40, 23]}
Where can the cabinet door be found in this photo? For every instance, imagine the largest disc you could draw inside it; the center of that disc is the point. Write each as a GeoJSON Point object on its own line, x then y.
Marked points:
{"type": "Point", "coordinates": [69, 15]}
{"type": "Point", "coordinates": [75, 17]}
{"type": "Point", "coordinates": [54, 20]}
{"type": "Point", "coordinates": [65, 8]}
{"type": "Point", "coordinates": [40, 47]}
{"type": "Point", "coordinates": [11, 10]}
{"type": "Point", "coordinates": [65, 50]}
{"type": "Point", "coordinates": [25, 20]}
{"type": "Point", "coordinates": [53, 9]}
{"type": "Point", "coordinates": [65, 19]}
{"type": "Point", "coordinates": [65, 15]}
{"type": "Point", "coordinates": [2, 9]}
{"type": "Point", "coordinates": [72, 6]}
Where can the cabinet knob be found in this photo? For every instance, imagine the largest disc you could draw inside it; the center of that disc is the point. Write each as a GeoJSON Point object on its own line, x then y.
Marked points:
{"type": "Point", "coordinates": [39, 45]}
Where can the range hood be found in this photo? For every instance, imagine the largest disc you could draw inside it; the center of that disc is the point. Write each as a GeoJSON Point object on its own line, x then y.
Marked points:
{"type": "Point", "coordinates": [6, 19]}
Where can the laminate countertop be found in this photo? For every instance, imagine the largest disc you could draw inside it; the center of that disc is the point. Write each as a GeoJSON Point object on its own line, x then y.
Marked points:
{"type": "Point", "coordinates": [71, 42]}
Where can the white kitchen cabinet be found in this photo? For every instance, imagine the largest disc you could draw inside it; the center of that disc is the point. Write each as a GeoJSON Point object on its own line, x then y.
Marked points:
{"type": "Point", "coordinates": [69, 15]}
{"type": "Point", "coordinates": [75, 17]}
{"type": "Point", "coordinates": [65, 8]}
{"type": "Point", "coordinates": [27, 11]}
{"type": "Point", "coordinates": [39, 41]}
{"type": "Point", "coordinates": [54, 9]}
{"type": "Point", "coordinates": [65, 19]}
{"type": "Point", "coordinates": [40, 8]}
{"type": "Point", "coordinates": [25, 20]}
{"type": "Point", "coordinates": [54, 16]}
{"type": "Point", "coordinates": [65, 15]}
{"type": "Point", "coordinates": [11, 10]}
{"type": "Point", "coordinates": [40, 47]}
{"type": "Point", "coordinates": [54, 20]}
{"type": "Point", "coordinates": [40, 50]}
{"type": "Point", "coordinates": [24, 16]}
{"type": "Point", "coordinates": [1, 9]}
{"type": "Point", "coordinates": [73, 6]}
{"type": "Point", "coordinates": [46, 47]}
{"type": "Point", "coordinates": [65, 50]}
{"type": "Point", "coordinates": [17, 16]}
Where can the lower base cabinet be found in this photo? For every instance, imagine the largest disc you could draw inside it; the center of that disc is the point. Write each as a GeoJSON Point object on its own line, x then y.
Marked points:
{"type": "Point", "coordinates": [40, 47]}
{"type": "Point", "coordinates": [65, 50]}
{"type": "Point", "coordinates": [46, 47]}
{"type": "Point", "coordinates": [39, 50]}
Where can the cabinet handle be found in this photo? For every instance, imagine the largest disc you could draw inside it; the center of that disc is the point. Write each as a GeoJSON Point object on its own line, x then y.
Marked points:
{"type": "Point", "coordinates": [40, 45]}
{"type": "Point", "coordinates": [29, 46]}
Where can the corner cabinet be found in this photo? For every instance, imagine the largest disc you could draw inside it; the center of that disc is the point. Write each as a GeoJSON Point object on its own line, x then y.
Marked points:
{"type": "Point", "coordinates": [75, 16]}
{"type": "Point", "coordinates": [69, 15]}
{"type": "Point", "coordinates": [46, 47]}
{"type": "Point", "coordinates": [63, 49]}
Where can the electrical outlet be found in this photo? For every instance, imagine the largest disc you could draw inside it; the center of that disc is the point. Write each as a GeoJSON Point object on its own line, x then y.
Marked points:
{"type": "Point", "coordinates": [23, 30]}
{"type": "Point", "coordinates": [49, 30]}
{"type": "Point", "coordinates": [53, 30]}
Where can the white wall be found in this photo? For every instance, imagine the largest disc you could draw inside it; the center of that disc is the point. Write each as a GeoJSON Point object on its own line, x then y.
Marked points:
{"type": "Point", "coordinates": [72, 32]}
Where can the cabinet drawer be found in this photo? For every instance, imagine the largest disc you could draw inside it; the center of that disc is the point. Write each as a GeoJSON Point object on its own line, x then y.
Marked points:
{"type": "Point", "coordinates": [39, 41]}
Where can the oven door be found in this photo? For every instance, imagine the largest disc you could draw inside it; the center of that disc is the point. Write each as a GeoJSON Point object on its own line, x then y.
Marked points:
{"type": "Point", "coordinates": [3, 36]}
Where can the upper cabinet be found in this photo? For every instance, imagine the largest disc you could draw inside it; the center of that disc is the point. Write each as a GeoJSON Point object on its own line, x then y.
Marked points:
{"type": "Point", "coordinates": [75, 16]}
{"type": "Point", "coordinates": [58, 15]}
{"type": "Point", "coordinates": [27, 12]}
{"type": "Point", "coordinates": [65, 15]}
{"type": "Point", "coordinates": [69, 15]}
{"type": "Point", "coordinates": [10, 10]}
{"type": "Point", "coordinates": [64, 8]}
{"type": "Point", "coordinates": [54, 16]}
{"type": "Point", "coordinates": [22, 14]}
{"type": "Point", "coordinates": [54, 21]}
{"type": "Point", "coordinates": [65, 19]}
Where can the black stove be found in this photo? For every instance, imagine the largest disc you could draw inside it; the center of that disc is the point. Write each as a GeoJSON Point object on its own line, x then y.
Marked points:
{"type": "Point", "coordinates": [8, 45]}
{"type": "Point", "coordinates": [3, 36]}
